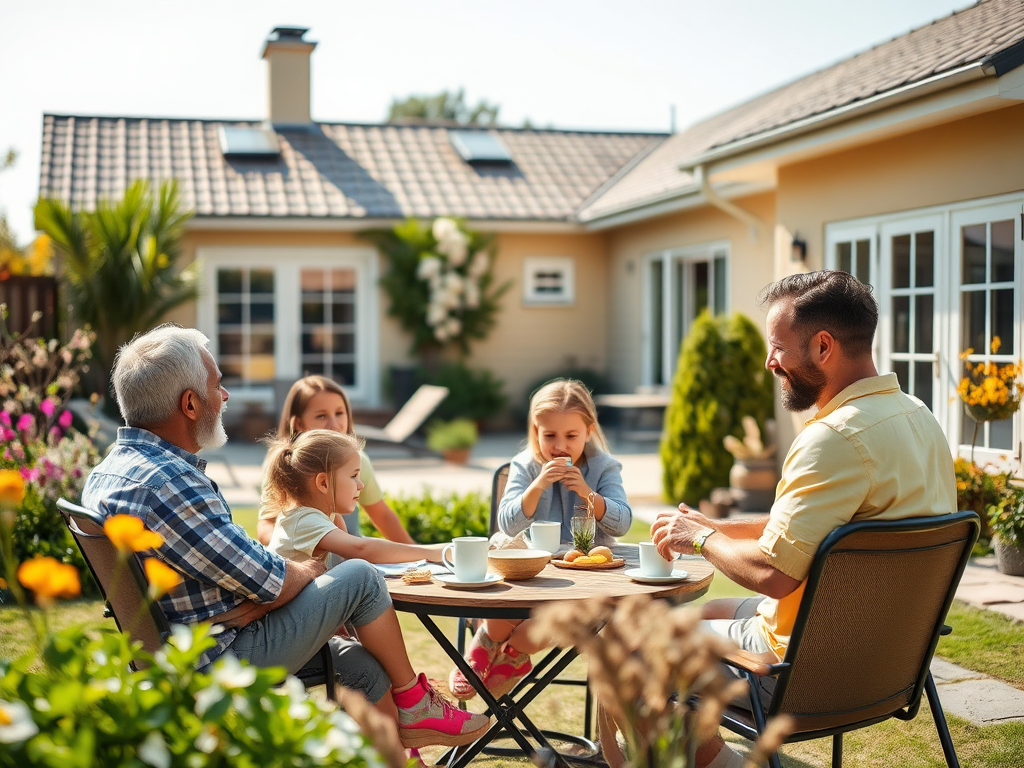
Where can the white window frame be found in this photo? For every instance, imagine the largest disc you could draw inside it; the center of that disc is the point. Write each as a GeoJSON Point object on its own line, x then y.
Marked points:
{"type": "Point", "coordinates": [947, 220]}
{"type": "Point", "coordinates": [288, 263]}
{"type": "Point", "coordinates": [532, 265]}
{"type": "Point", "coordinates": [670, 337]}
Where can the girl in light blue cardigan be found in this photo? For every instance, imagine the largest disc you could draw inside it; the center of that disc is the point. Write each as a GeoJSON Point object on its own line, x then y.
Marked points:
{"type": "Point", "coordinates": [566, 462]}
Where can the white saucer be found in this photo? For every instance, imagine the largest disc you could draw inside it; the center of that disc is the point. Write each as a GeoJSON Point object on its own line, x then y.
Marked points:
{"type": "Point", "coordinates": [676, 575]}
{"type": "Point", "coordinates": [449, 580]}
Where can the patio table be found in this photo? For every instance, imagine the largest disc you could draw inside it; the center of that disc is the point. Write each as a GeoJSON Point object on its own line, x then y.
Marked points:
{"type": "Point", "coordinates": [515, 600]}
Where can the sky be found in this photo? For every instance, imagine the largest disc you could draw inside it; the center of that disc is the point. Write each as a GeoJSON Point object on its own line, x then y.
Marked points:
{"type": "Point", "coordinates": [582, 64]}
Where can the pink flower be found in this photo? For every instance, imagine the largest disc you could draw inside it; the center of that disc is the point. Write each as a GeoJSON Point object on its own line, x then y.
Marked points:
{"type": "Point", "coordinates": [5, 418]}
{"type": "Point", "coordinates": [47, 407]}
{"type": "Point", "coordinates": [7, 434]}
{"type": "Point", "coordinates": [64, 419]}
{"type": "Point", "coordinates": [56, 433]}
{"type": "Point", "coordinates": [25, 422]}
{"type": "Point", "coordinates": [30, 474]}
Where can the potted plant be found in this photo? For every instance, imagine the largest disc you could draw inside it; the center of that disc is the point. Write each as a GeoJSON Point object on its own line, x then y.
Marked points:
{"type": "Point", "coordinates": [753, 476]}
{"type": "Point", "coordinates": [1006, 521]}
{"type": "Point", "coordinates": [452, 439]}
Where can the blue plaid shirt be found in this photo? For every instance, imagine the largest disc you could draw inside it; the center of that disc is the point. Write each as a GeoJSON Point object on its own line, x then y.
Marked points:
{"type": "Point", "coordinates": [167, 488]}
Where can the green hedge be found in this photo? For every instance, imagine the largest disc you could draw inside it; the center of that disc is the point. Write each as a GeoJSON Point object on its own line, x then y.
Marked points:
{"type": "Point", "coordinates": [431, 519]}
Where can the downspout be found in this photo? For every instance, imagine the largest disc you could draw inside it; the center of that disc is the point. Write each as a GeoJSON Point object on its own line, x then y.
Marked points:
{"type": "Point", "coordinates": [753, 223]}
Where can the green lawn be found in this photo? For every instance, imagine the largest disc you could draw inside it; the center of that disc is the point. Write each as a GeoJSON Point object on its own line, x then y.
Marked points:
{"type": "Point", "coordinates": [982, 640]}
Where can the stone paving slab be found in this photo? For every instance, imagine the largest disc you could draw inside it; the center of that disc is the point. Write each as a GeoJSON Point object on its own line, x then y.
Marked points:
{"type": "Point", "coordinates": [947, 672]}
{"type": "Point", "coordinates": [983, 701]}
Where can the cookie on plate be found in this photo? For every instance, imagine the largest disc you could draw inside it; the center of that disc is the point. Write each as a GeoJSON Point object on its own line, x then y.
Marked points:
{"type": "Point", "coordinates": [417, 576]}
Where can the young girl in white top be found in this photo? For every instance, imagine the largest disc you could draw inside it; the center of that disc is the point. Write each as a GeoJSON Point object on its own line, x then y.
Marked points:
{"type": "Point", "coordinates": [311, 478]}
{"type": "Point", "coordinates": [317, 402]}
{"type": "Point", "coordinates": [566, 462]}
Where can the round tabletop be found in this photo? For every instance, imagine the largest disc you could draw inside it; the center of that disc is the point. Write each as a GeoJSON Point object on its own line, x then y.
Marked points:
{"type": "Point", "coordinates": [515, 599]}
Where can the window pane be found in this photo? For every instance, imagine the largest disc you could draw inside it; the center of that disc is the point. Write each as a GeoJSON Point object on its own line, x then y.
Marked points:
{"type": "Point", "coordinates": [313, 367]}
{"type": "Point", "coordinates": [261, 343]}
{"type": "Point", "coordinates": [344, 343]}
{"type": "Point", "coordinates": [229, 313]}
{"type": "Point", "coordinates": [261, 281]}
{"type": "Point", "coordinates": [863, 261]}
{"type": "Point", "coordinates": [1002, 251]}
{"type": "Point", "coordinates": [229, 367]}
{"type": "Point", "coordinates": [679, 286]}
{"type": "Point", "coordinates": [901, 324]}
{"type": "Point", "coordinates": [843, 261]}
{"type": "Point", "coordinates": [312, 280]}
{"type": "Point", "coordinates": [229, 281]}
{"type": "Point", "coordinates": [924, 259]}
{"type": "Point", "coordinates": [344, 374]}
{"type": "Point", "coordinates": [1002, 319]}
{"type": "Point", "coordinates": [343, 313]}
{"type": "Point", "coordinates": [343, 280]}
{"type": "Point", "coordinates": [314, 340]}
{"type": "Point", "coordinates": [901, 261]}
{"type": "Point", "coordinates": [923, 382]}
{"type": "Point", "coordinates": [719, 285]}
{"type": "Point", "coordinates": [261, 312]}
{"type": "Point", "coordinates": [902, 370]}
{"type": "Point", "coordinates": [1000, 435]}
{"type": "Point", "coordinates": [260, 368]}
{"type": "Point", "coordinates": [229, 344]}
{"type": "Point", "coordinates": [701, 292]}
{"type": "Point", "coordinates": [657, 320]}
{"type": "Point", "coordinates": [923, 319]}
{"type": "Point", "coordinates": [973, 254]}
{"type": "Point", "coordinates": [312, 312]}
{"type": "Point", "coordinates": [972, 318]}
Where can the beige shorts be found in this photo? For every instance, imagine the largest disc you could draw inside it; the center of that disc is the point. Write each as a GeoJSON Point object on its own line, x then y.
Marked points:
{"type": "Point", "coordinates": [744, 629]}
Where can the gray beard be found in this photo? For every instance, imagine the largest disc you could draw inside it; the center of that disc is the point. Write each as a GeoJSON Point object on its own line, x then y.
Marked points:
{"type": "Point", "coordinates": [210, 432]}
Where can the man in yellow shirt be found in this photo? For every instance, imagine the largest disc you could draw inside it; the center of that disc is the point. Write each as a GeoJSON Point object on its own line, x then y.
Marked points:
{"type": "Point", "coordinates": [870, 451]}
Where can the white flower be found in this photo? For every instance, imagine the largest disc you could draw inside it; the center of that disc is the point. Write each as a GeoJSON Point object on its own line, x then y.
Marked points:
{"type": "Point", "coordinates": [153, 751]}
{"type": "Point", "coordinates": [441, 332]}
{"type": "Point", "coordinates": [207, 740]}
{"type": "Point", "coordinates": [444, 228]}
{"type": "Point", "coordinates": [229, 673]}
{"type": "Point", "coordinates": [207, 697]}
{"type": "Point", "coordinates": [456, 248]}
{"type": "Point", "coordinates": [16, 723]}
{"type": "Point", "coordinates": [453, 326]}
{"type": "Point", "coordinates": [428, 267]}
{"type": "Point", "coordinates": [479, 265]}
{"type": "Point", "coordinates": [436, 313]}
{"type": "Point", "coordinates": [181, 637]}
{"type": "Point", "coordinates": [454, 283]}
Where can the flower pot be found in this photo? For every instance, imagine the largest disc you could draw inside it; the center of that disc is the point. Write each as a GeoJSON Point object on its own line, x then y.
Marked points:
{"type": "Point", "coordinates": [753, 483]}
{"type": "Point", "coordinates": [1009, 557]}
{"type": "Point", "coordinates": [456, 455]}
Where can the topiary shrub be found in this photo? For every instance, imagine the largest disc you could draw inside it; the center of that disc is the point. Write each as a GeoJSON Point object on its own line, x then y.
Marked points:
{"type": "Point", "coordinates": [720, 378]}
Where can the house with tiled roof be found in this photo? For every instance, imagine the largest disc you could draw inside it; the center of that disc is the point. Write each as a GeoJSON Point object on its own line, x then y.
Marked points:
{"type": "Point", "coordinates": [903, 165]}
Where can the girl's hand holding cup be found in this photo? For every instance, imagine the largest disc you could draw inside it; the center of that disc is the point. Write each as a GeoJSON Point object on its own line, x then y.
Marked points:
{"type": "Point", "coordinates": [554, 471]}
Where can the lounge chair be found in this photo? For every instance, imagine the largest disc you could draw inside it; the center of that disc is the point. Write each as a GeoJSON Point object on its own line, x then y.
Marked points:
{"type": "Point", "coordinates": [127, 593]}
{"type": "Point", "coordinates": [410, 417]}
{"type": "Point", "coordinates": [869, 621]}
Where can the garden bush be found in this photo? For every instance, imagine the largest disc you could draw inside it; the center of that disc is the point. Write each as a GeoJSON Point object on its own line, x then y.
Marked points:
{"type": "Point", "coordinates": [472, 393]}
{"type": "Point", "coordinates": [595, 381]}
{"type": "Point", "coordinates": [720, 378]}
{"type": "Point", "coordinates": [433, 519]}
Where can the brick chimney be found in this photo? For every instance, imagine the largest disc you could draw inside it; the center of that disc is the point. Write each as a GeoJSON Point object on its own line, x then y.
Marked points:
{"type": "Point", "coordinates": [287, 54]}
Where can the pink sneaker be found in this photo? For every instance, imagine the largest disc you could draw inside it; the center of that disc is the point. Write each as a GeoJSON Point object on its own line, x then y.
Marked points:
{"type": "Point", "coordinates": [479, 655]}
{"type": "Point", "coordinates": [508, 668]}
{"type": "Point", "coordinates": [426, 718]}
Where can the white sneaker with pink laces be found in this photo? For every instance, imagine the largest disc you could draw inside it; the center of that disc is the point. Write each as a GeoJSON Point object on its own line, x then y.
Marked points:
{"type": "Point", "coordinates": [426, 718]}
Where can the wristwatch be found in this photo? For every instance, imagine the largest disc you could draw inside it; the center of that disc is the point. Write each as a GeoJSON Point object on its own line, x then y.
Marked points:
{"type": "Point", "coordinates": [698, 542]}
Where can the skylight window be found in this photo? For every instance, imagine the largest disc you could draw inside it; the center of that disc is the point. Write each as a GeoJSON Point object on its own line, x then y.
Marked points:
{"type": "Point", "coordinates": [480, 147]}
{"type": "Point", "coordinates": [248, 142]}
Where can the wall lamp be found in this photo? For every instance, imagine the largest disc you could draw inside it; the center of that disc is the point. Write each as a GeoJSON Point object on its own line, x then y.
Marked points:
{"type": "Point", "coordinates": [799, 249]}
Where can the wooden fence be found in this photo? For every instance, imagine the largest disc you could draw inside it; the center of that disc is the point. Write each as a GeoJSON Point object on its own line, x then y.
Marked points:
{"type": "Point", "coordinates": [24, 296]}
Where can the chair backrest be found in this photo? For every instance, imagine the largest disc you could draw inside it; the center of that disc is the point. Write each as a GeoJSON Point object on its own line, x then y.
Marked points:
{"type": "Point", "coordinates": [869, 620]}
{"type": "Point", "coordinates": [497, 491]}
{"type": "Point", "coordinates": [122, 581]}
{"type": "Point", "coordinates": [416, 410]}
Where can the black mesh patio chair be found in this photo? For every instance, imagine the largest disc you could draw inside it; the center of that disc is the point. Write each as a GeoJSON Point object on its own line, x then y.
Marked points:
{"type": "Point", "coordinates": [869, 621]}
{"type": "Point", "coordinates": [126, 593]}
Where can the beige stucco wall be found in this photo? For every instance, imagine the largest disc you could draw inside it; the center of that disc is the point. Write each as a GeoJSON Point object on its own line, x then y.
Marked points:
{"type": "Point", "coordinates": [976, 157]}
{"type": "Point", "coordinates": [750, 269]}
{"type": "Point", "coordinates": [527, 343]}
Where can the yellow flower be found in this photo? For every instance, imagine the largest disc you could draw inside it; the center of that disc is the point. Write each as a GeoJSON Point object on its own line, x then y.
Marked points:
{"type": "Point", "coordinates": [12, 487]}
{"type": "Point", "coordinates": [996, 344]}
{"type": "Point", "coordinates": [129, 534]}
{"type": "Point", "coordinates": [162, 578]}
{"type": "Point", "coordinates": [49, 578]}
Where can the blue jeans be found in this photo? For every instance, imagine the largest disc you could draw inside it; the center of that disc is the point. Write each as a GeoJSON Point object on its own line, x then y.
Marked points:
{"type": "Point", "coordinates": [352, 592]}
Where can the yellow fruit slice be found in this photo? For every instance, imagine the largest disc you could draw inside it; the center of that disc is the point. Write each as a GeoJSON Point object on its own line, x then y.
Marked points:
{"type": "Point", "coordinates": [584, 560]}
{"type": "Point", "coordinates": [598, 558]}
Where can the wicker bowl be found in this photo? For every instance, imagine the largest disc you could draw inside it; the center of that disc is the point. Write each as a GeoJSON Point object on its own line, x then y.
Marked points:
{"type": "Point", "coordinates": [515, 564]}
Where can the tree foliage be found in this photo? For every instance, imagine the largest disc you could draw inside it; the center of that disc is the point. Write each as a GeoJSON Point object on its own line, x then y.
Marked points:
{"type": "Point", "coordinates": [121, 262]}
{"type": "Point", "coordinates": [720, 378]}
{"type": "Point", "coordinates": [446, 106]}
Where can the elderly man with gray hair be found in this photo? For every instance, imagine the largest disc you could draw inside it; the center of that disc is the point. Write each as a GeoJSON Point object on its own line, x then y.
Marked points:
{"type": "Point", "coordinates": [276, 612]}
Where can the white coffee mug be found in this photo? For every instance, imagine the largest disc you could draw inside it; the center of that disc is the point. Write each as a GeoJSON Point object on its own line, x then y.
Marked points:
{"type": "Point", "coordinates": [546, 536]}
{"type": "Point", "coordinates": [651, 561]}
{"type": "Point", "coordinates": [470, 554]}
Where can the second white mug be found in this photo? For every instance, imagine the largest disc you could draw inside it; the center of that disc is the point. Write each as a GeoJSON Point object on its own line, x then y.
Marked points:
{"type": "Point", "coordinates": [651, 561]}
{"type": "Point", "coordinates": [470, 554]}
{"type": "Point", "coordinates": [546, 536]}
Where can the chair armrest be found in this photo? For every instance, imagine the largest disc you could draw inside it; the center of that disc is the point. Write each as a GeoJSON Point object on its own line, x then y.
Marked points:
{"type": "Point", "coordinates": [946, 630]}
{"type": "Point", "coordinates": [761, 664]}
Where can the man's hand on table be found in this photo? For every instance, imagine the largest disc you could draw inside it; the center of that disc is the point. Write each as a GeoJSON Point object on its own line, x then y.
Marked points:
{"type": "Point", "coordinates": [674, 531]}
